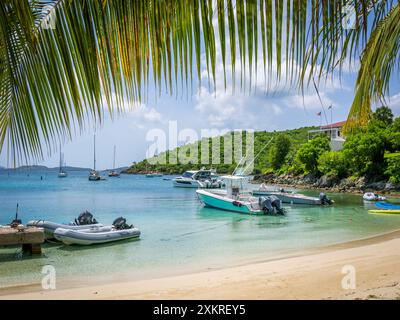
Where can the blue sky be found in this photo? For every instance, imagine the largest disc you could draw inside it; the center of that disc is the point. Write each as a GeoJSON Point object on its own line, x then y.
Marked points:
{"type": "Point", "coordinates": [278, 108]}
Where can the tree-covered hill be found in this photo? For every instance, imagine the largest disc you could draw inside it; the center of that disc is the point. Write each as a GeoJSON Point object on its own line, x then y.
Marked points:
{"type": "Point", "coordinates": [297, 137]}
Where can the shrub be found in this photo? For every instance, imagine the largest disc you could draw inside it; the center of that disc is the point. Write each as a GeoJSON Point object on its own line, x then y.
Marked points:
{"type": "Point", "coordinates": [393, 169]}
{"type": "Point", "coordinates": [278, 151]}
{"type": "Point", "coordinates": [308, 153]}
{"type": "Point", "coordinates": [332, 163]}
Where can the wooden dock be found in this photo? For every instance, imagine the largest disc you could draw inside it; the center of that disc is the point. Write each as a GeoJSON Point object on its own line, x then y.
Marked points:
{"type": "Point", "coordinates": [30, 238]}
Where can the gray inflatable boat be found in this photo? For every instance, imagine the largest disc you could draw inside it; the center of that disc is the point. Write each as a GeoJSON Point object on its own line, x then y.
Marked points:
{"type": "Point", "coordinates": [95, 235]}
{"type": "Point", "coordinates": [119, 230]}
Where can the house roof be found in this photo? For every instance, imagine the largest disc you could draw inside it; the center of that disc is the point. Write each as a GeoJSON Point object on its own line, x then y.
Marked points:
{"type": "Point", "coordinates": [334, 125]}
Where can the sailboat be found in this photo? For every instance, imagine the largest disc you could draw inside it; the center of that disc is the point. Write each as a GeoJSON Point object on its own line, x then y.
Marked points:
{"type": "Point", "coordinates": [113, 172]}
{"type": "Point", "coordinates": [62, 173]}
{"type": "Point", "coordinates": [94, 175]}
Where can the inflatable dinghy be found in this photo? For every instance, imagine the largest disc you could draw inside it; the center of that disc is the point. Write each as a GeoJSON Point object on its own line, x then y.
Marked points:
{"type": "Point", "coordinates": [370, 196]}
{"type": "Point", "coordinates": [97, 235]}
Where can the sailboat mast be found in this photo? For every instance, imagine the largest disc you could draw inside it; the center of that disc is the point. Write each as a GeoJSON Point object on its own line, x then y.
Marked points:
{"type": "Point", "coordinates": [114, 157]}
{"type": "Point", "coordinates": [60, 159]}
{"type": "Point", "coordinates": [94, 152]}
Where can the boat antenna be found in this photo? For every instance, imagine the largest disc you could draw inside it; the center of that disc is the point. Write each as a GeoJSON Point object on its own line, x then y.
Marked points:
{"type": "Point", "coordinates": [16, 213]}
{"type": "Point", "coordinates": [254, 159]}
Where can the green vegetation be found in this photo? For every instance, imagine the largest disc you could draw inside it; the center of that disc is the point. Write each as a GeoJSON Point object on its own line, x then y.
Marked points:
{"type": "Point", "coordinates": [372, 151]}
{"type": "Point", "coordinates": [286, 142]}
{"type": "Point", "coordinates": [308, 154]}
{"type": "Point", "coordinates": [278, 151]}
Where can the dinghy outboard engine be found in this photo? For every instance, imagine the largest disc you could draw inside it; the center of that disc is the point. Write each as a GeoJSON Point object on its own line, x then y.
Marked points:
{"type": "Point", "coordinates": [120, 224]}
{"type": "Point", "coordinates": [85, 218]}
{"type": "Point", "coordinates": [324, 199]}
{"type": "Point", "coordinates": [271, 205]}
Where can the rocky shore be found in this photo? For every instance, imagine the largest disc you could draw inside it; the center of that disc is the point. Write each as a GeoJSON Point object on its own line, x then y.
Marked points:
{"type": "Point", "coordinates": [353, 185]}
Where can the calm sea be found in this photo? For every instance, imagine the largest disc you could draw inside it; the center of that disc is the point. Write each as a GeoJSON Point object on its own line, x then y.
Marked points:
{"type": "Point", "coordinates": [178, 234]}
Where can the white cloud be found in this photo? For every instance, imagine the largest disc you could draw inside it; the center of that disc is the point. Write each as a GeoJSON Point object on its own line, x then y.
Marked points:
{"type": "Point", "coordinates": [394, 104]}
{"type": "Point", "coordinates": [143, 117]}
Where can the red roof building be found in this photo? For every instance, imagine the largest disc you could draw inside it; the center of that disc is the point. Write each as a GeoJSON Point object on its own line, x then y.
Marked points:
{"type": "Point", "coordinates": [333, 131]}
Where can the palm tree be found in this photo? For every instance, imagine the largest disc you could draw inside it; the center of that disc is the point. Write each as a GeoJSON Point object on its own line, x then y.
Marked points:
{"type": "Point", "coordinates": [61, 61]}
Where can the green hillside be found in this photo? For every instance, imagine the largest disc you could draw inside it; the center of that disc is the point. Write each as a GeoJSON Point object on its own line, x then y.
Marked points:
{"type": "Point", "coordinates": [261, 138]}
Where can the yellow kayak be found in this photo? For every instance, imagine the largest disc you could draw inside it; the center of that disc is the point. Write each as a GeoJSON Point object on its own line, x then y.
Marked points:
{"type": "Point", "coordinates": [394, 211]}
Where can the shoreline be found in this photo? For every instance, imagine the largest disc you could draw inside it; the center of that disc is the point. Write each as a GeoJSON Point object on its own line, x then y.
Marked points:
{"type": "Point", "coordinates": [291, 276]}
{"type": "Point", "coordinates": [394, 193]}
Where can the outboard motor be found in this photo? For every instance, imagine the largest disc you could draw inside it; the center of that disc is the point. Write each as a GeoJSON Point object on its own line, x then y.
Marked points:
{"type": "Point", "coordinates": [271, 205]}
{"type": "Point", "coordinates": [120, 224]}
{"type": "Point", "coordinates": [276, 204]}
{"type": "Point", "coordinates": [324, 199]}
{"type": "Point", "coordinates": [265, 204]}
{"type": "Point", "coordinates": [85, 218]}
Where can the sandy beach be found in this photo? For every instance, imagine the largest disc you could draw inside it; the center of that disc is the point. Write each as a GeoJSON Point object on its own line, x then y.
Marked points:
{"type": "Point", "coordinates": [371, 265]}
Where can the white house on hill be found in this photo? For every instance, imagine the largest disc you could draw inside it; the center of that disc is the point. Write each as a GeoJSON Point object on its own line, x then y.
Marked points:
{"type": "Point", "coordinates": [333, 131]}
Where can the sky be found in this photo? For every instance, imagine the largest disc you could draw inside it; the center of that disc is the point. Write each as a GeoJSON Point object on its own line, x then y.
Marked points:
{"type": "Point", "coordinates": [281, 107]}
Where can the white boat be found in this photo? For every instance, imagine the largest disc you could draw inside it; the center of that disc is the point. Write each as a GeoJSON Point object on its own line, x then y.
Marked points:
{"type": "Point", "coordinates": [292, 197]}
{"type": "Point", "coordinates": [98, 235]}
{"type": "Point", "coordinates": [93, 174]}
{"type": "Point", "coordinates": [235, 199]}
{"type": "Point", "coordinates": [198, 179]}
{"type": "Point", "coordinates": [370, 196]}
{"type": "Point", "coordinates": [62, 173]}
{"type": "Point", "coordinates": [94, 235]}
{"type": "Point", "coordinates": [113, 173]}
{"type": "Point", "coordinates": [154, 175]}
{"type": "Point", "coordinates": [84, 221]}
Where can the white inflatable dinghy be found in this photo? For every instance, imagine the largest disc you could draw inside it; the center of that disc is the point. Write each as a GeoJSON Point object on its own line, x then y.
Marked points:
{"type": "Point", "coordinates": [370, 196]}
{"type": "Point", "coordinates": [95, 235]}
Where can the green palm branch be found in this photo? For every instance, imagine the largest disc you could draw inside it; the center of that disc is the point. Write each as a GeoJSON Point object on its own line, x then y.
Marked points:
{"type": "Point", "coordinates": [62, 61]}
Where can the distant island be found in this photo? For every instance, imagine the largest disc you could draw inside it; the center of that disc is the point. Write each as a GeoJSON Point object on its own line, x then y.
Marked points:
{"type": "Point", "coordinates": [53, 169]}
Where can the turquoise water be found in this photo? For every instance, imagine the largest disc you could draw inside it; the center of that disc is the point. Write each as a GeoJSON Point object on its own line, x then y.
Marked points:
{"type": "Point", "coordinates": [178, 234]}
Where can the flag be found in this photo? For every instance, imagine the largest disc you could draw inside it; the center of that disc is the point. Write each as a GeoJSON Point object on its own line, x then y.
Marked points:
{"type": "Point", "coordinates": [319, 114]}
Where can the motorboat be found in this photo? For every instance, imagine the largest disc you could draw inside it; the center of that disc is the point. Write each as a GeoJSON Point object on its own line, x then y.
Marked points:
{"type": "Point", "coordinates": [370, 196]}
{"type": "Point", "coordinates": [235, 199]}
{"type": "Point", "coordinates": [291, 197]}
{"type": "Point", "coordinates": [154, 175]}
{"type": "Point", "coordinates": [198, 179]}
{"type": "Point", "coordinates": [84, 221]}
{"type": "Point", "coordinates": [97, 235]}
